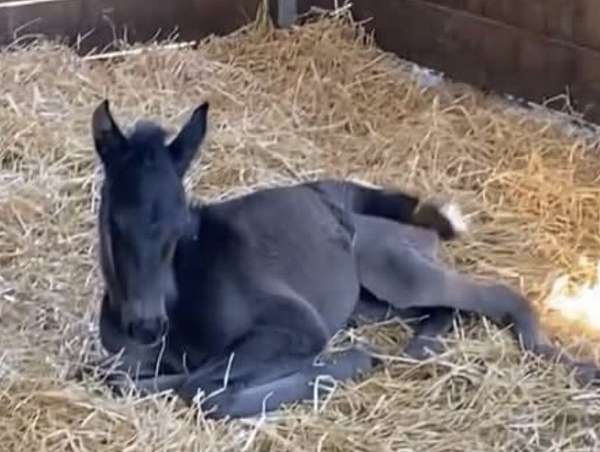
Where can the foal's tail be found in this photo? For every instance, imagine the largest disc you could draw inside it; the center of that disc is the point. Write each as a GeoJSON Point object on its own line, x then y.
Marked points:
{"type": "Point", "coordinates": [446, 220]}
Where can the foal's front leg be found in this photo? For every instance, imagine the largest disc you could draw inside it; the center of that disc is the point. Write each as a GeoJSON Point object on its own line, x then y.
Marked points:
{"type": "Point", "coordinates": [275, 357]}
{"type": "Point", "coordinates": [266, 353]}
{"type": "Point", "coordinates": [287, 379]}
{"type": "Point", "coordinates": [297, 385]}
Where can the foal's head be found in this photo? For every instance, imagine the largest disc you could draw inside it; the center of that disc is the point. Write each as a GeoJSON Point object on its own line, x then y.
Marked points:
{"type": "Point", "coordinates": [143, 214]}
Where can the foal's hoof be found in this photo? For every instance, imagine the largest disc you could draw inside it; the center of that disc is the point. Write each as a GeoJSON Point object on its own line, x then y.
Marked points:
{"type": "Point", "coordinates": [360, 358]}
{"type": "Point", "coordinates": [376, 362]}
{"type": "Point", "coordinates": [106, 371]}
{"type": "Point", "coordinates": [365, 354]}
{"type": "Point", "coordinates": [587, 374]}
{"type": "Point", "coordinates": [98, 368]}
{"type": "Point", "coordinates": [117, 383]}
{"type": "Point", "coordinates": [418, 352]}
{"type": "Point", "coordinates": [422, 348]}
{"type": "Point", "coordinates": [80, 372]}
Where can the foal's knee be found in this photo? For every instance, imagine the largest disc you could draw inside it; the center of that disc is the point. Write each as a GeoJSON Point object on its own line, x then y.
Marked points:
{"type": "Point", "coordinates": [512, 306]}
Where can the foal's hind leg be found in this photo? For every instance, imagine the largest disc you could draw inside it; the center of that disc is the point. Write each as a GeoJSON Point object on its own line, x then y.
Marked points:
{"type": "Point", "coordinates": [404, 277]}
{"type": "Point", "coordinates": [297, 385]}
{"type": "Point", "coordinates": [426, 336]}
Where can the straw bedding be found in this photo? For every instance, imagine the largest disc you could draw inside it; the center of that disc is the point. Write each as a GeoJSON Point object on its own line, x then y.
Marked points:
{"type": "Point", "coordinates": [287, 106]}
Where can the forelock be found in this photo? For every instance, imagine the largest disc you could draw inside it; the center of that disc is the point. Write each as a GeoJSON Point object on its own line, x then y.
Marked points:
{"type": "Point", "coordinates": [148, 135]}
{"type": "Point", "coordinates": [147, 142]}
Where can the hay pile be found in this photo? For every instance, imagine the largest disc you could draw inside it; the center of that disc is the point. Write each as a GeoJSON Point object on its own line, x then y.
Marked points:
{"type": "Point", "coordinates": [290, 105]}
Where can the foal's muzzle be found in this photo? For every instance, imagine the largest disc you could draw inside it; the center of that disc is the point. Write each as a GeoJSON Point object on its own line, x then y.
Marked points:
{"type": "Point", "coordinates": [148, 331]}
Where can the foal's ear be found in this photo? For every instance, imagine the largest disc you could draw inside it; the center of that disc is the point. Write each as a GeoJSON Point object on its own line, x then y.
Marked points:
{"type": "Point", "coordinates": [187, 143]}
{"type": "Point", "coordinates": [108, 138]}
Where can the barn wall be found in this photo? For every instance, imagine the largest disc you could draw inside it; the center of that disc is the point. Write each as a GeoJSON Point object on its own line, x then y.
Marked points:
{"type": "Point", "coordinates": [576, 21]}
{"type": "Point", "coordinates": [535, 49]}
{"type": "Point", "coordinates": [94, 24]}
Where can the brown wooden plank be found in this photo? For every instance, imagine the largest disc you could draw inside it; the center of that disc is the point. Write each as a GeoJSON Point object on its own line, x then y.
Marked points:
{"type": "Point", "coordinates": [574, 20]}
{"type": "Point", "coordinates": [560, 19]}
{"type": "Point", "coordinates": [139, 20]}
{"type": "Point", "coordinates": [486, 53]}
{"type": "Point", "coordinates": [586, 20]}
{"type": "Point", "coordinates": [531, 14]}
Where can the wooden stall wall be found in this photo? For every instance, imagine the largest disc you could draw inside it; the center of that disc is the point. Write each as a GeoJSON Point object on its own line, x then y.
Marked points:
{"type": "Point", "coordinates": [93, 25]}
{"type": "Point", "coordinates": [501, 55]}
{"type": "Point", "coordinates": [534, 49]}
{"type": "Point", "coordinates": [576, 21]}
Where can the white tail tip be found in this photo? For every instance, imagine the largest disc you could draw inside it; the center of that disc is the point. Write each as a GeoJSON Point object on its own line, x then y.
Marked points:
{"type": "Point", "coordinates": [455, 216]}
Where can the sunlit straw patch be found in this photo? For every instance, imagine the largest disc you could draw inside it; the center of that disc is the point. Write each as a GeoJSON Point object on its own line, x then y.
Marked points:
{"type": "Point", "coordinates": [577, 297]}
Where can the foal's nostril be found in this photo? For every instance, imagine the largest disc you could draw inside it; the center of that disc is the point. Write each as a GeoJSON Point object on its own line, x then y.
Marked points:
{"type": "Point", "coordinates": [147, 332]}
